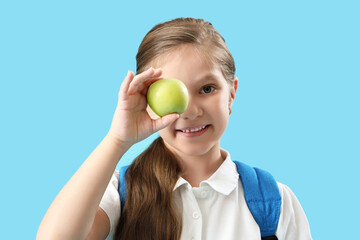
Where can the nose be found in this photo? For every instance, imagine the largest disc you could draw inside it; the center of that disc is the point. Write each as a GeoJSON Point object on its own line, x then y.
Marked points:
{"type": "Point", "coordinates": [193, 110]}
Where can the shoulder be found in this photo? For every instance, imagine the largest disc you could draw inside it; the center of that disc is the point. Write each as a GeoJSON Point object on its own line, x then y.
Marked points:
{"type": "Point", "coordinates": [285, 190]}
{"type": "Point", "coordinates": [293, 223]}
{"type": "Point", "coordinates": [290, 203]}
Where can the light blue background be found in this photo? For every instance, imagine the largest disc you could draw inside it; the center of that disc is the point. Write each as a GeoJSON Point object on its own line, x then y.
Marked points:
{"type": "Point", "coordinates": [296, 113]}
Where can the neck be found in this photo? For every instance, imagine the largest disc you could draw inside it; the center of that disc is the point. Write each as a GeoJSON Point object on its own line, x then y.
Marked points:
{"type": "Point", "coordinates": [197, 168]}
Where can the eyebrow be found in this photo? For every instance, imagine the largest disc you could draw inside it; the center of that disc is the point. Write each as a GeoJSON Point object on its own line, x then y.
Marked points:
{"type": "Point", "coordinates": [208, 77]}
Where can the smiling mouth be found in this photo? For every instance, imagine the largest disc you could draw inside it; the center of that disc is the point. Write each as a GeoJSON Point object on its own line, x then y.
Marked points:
{"type": "Point", "coordinates": [193, 131]}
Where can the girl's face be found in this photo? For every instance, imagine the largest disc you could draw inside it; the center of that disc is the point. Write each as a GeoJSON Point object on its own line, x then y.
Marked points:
{"type": "Point", "coordinates": [210, 99]}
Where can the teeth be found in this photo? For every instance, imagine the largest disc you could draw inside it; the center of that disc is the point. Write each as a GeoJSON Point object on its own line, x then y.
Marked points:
{"type": "Point", "coordinates": [193, 130]}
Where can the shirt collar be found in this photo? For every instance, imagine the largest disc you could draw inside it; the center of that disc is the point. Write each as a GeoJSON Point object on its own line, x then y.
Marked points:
{"type": "Point", "coordinates": [224, 180]}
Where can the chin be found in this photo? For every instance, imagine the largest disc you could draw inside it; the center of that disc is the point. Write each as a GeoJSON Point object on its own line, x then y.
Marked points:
{"type": "Point", "coordinates": [193, 150]}
{"type": "Point", "coordinates": [190, 148]}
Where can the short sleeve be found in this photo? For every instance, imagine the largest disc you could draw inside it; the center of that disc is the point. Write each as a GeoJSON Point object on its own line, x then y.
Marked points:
{"type": "Point", "coordinates": [110, 203]}
{"type": "Point", "coordinates": [293, 223]}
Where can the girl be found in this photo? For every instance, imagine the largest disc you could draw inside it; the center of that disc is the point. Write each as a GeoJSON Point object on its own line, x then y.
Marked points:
{"type": "Point", "coordinates": [184, 186]}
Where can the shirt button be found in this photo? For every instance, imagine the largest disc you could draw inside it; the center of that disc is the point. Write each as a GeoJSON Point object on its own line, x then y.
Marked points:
{"type": "Point", "coordinates": [203, 194]}
{"type": "Point", "coordinates": [195, 215]}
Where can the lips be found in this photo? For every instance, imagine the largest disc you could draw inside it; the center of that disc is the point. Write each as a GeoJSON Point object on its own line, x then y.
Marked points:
{"type": "Point", "coordinates": [193, 131]}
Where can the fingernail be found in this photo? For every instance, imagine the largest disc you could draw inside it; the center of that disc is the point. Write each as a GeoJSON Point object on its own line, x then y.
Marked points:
{"type": "Point", "coordinates": [150, 68]}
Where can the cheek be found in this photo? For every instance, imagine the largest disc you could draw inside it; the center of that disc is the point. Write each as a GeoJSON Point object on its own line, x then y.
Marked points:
{"type": "Point", "coordinates": [220, 110]}
{"type": "Point", "coordinates": [220, 104]}
{"type": "Point", "coordinates": [167, 132]}
{"type": "Point", "coordinates": [164, 132]}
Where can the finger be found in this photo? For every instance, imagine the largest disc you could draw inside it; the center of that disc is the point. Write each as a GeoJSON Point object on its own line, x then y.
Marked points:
{"type": "Point", "coordinates": [142, 82]}
{"type": "Point", "coordinates": [165, 121]}
{"type": "Point", "coordinates": [151, 113]}
{"type": "Point", "coordinates": [150, 74]}
{"type": "Point", "coordinates": [143, 89]}
{"type": "Point", "coordinates": [124, 88]}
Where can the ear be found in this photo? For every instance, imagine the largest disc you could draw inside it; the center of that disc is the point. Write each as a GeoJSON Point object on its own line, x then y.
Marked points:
{"type": "Point", "coordinates": [233, 90]}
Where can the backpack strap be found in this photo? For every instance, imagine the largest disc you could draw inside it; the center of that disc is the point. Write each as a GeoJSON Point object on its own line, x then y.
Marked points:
{"type": "Point", "coordinates": [263, 198]}
{"type": "Point", "coordinates": [122, 186]}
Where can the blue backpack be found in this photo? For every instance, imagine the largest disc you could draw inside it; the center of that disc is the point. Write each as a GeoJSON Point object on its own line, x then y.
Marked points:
{"type": "Point", "coordinates": [262, 196]}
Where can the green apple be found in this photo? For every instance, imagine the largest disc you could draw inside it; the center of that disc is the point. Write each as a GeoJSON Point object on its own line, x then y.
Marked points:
{"type": "Point", "coordinates": [168, 96]}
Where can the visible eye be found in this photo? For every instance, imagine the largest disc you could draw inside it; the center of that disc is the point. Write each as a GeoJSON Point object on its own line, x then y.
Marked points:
{"type": "Point", "coordinates": [207, 89]}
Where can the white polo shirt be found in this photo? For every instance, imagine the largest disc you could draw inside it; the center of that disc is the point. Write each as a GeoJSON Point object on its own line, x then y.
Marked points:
{"type": "Point", "coordinates": [217, 209]}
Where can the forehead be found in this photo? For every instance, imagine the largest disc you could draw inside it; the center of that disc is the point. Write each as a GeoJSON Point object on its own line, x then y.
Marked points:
{"type": "Point", "coordinates": [188, 63]}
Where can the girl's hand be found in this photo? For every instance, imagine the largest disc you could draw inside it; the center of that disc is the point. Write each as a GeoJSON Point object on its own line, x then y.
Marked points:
{"type": "Point", "coordinates": [131, 122]}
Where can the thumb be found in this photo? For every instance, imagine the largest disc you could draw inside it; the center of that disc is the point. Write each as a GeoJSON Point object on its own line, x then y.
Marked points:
{"type": "Point", "coordinates": [165, 121]}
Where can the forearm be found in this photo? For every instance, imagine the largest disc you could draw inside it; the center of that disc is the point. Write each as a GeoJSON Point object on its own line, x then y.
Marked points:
{"type": "Point", "coordinates": [72, 213]}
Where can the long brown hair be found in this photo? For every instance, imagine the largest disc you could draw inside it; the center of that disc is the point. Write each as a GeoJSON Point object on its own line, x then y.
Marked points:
{"type": "Point", "coordinates": [149, 211]}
